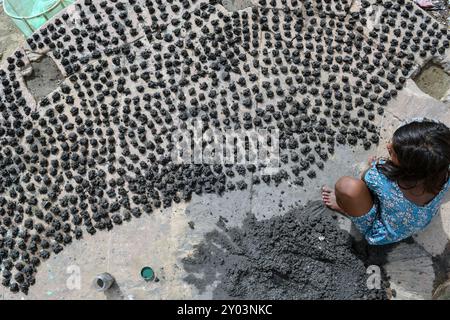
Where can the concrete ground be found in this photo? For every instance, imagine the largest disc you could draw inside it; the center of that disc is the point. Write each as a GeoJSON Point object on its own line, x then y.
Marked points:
{"type": "Point", "coordinates": [162, 239]}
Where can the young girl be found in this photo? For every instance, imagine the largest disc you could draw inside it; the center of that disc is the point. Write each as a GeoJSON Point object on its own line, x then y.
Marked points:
{"type": "Point", "coordinates": [399, 196]}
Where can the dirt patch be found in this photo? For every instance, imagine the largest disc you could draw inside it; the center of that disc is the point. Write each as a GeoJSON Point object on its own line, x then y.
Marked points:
{"type": "Point", "coordinates": [433, 80]}
{"type": "Point", "coordinates": [44, 79]}
{"type": "Point", "coordinates": [441, 11]}
{"type": "Point", "coordinates": [301, 255]}
{"type": "Point", "coordinates": [10, 36]}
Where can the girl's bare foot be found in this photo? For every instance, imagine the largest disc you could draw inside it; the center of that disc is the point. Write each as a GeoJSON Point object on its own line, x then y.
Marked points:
{"type": "Point", "coordinates": [329, 198]}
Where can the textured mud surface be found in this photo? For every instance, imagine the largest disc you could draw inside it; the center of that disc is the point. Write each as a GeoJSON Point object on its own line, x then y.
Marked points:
{"type": "Point", "coordinates": [96, 151]}
{"type": "Point", "coordinates": [45, 77]}
{"type": "Point", "coordinates": [433, 80]}
{"type": "Point", "coordinates": [301, 255]}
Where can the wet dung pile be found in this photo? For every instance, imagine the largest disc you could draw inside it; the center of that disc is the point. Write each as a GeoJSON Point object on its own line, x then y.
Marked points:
{"type": "Point", "coordinates": [300, 255]}
{"type": "Point", "coordinates": [97, 151]}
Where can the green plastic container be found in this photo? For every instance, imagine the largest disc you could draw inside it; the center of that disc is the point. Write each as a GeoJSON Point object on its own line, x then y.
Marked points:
{"type": "Point", "coordinates": [30, 15]}
{"type": "Point", "coordinates": [148, 274]}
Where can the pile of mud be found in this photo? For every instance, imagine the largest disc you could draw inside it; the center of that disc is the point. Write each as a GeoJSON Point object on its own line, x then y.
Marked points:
{"type": "Point", "coordinates": [300, 255]}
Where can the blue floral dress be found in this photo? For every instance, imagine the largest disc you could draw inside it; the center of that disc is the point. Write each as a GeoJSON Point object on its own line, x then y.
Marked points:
{"type": "Point", "coordinates": [393, 217]}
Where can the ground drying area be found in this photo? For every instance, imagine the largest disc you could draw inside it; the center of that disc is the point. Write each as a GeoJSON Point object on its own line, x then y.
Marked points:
{"type": "Point", "coordinates": [96, 151]}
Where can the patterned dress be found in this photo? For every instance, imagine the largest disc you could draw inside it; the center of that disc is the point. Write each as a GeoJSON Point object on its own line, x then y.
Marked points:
{"type": "Point", "coordinates": [393, 217]}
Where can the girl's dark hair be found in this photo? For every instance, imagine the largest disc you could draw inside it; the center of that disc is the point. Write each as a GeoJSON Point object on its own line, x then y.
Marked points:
{"type": "Point", "coordinates": [423, 152]}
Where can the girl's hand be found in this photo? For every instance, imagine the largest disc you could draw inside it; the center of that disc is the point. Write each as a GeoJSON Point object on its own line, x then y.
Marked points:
{"type": "Point", "coordinates": [369, 163]}
{"type": "Point", "coordinates": [371, 159]}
